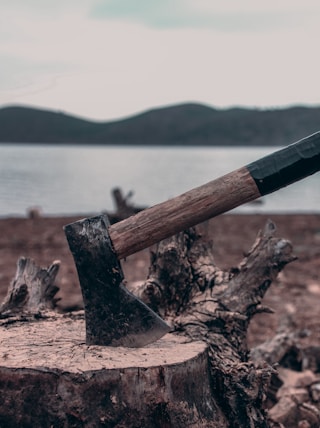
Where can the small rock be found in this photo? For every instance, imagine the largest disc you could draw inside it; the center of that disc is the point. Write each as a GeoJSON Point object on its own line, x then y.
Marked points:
{"type": "Point", "coordinates": [285, 411]}
{"type": "Point", "coordinates": [314, 288]}
{"type": "Point", "coordinates": [304, 424]}
{"type": "Point", "coordinates": [315, 392]}
{"type": "Point", "coordinates": [309, 413]}
{"type": "Point", "coordinates": [298, 395]}
{"type": "Point", "coordinates": [296, 379]}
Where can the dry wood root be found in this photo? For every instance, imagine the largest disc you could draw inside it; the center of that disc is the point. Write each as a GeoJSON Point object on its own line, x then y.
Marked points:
{"type": "Point", "coordinates": [201, 301]}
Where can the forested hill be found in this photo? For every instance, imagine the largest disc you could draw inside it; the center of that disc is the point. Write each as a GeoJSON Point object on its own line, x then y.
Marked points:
{"type": "Point", "coordinates": [185, 124]}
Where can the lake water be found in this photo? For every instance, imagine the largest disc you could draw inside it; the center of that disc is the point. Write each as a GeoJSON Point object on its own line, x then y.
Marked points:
{"type": "Point", "coordinates": [75, 180]}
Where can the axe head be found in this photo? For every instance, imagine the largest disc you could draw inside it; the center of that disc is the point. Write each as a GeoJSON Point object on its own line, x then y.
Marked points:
{"type": "Point", "coordinates": [113, 315]}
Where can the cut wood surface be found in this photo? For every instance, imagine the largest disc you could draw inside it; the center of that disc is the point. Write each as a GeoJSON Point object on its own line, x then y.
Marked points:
{"type": "Point", "coordinates": [58, 342]}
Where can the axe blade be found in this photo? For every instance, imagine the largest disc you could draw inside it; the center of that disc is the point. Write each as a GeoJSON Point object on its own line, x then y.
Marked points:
{"type": "Point", "coordinates": [136, 324]}
{"type": "Point", "coordinates": [114, 316]}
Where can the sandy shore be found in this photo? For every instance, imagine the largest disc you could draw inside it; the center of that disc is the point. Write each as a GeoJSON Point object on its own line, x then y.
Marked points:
{"type": "Point", "coordinates": [297, 290]}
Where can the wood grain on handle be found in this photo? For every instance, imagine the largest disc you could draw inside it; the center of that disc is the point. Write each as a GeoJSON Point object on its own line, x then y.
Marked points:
{"type": "Point", "coordinates": [195, 206]}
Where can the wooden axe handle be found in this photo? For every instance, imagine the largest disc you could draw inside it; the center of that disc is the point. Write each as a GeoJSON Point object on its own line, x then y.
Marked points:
{"type": "Point", "coordinates": [259, 178]}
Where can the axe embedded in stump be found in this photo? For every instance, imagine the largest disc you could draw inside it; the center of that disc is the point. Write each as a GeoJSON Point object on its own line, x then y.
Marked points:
{"type": "Point", "coordinates": [113, 315]}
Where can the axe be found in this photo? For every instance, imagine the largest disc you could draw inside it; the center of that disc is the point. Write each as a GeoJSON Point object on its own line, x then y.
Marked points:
{"type": "Point", "coordinates": [116, 317]}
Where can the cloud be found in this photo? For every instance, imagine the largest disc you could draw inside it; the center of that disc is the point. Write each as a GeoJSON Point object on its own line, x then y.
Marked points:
{"type": "Point", "coordinates": [163, 14]}
{"type": "Point", "coordinates": [232, 15]}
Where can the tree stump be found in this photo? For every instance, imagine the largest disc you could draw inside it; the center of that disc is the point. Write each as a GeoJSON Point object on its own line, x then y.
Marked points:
{"type": "Point", "coordinates": [50, 377]}
{"type": "Point", "coordinates": [199, 375]}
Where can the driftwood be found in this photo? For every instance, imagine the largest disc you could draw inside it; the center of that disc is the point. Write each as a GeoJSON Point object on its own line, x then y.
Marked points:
{"type": "Point", "coordinates": [33, 289]}
{"type": "Point", "coordinates": [124, 208]}
{"type": "Point", "coordinates": [200, 375]}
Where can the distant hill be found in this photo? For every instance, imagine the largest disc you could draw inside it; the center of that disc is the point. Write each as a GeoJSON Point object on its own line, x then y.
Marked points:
{"type": "Point", "coordinates": [185, 124]}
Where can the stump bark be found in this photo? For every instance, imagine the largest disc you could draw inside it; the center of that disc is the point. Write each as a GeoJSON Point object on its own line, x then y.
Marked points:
{"type": "Point", "coordinates": [200, 375]}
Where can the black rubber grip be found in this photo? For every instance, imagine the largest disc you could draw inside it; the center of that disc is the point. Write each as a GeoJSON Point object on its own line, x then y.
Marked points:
{"type": "Point", "coordinates": [294, 162]}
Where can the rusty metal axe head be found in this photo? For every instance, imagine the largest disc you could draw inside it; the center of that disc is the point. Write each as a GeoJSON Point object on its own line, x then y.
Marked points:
{"type": "Point", "coordinates": [113, 315]}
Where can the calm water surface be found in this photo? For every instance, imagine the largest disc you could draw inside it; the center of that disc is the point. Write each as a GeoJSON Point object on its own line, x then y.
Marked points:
{"type": "Point", "coordinates": [75, 180]}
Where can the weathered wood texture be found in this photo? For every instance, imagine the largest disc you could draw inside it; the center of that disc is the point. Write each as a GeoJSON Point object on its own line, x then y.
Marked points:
{"type": "Point", "coordinates": [168, 218]}
{"type": "Point", "coordinates": [33, 288]}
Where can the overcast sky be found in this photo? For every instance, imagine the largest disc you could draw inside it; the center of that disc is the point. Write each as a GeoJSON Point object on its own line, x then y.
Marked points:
{"type": "Point", "coordinates": [106, 59]}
